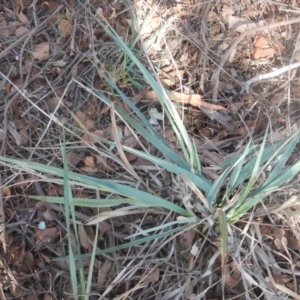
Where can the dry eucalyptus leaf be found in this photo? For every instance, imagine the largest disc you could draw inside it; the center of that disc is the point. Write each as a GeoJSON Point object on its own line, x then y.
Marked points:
{"type": "Point", "coordinates": [6, 192]}
{"type": "Point", "coordinates": [24, 137]}
{"type": "Point", "coordinates": [187, 238]}
{"type": "Point", "coordinates": [232, 274]}
{"type": "Point", "coordinates": [293, 243]}
{"type": "Point", "coordinates": [21, 30]}
{"type": "Point", "coordinates": [90, 109]}
{"type": "Point", "coordinates": [52, 5]}
{"type": "Point", "coordinates": [45, 236]}
{"type": "Point", "coordinates": [89, 161]}
{"type": "Point", "coordinates": [104, 272]}
{"type": "Point", "coordinates": [88, 170]}
{"type": "Point", "coordinates": [47, 297]}
{"type": "Point", "coordinates": [101, 163]}
{"type": "Point", "coordinates": [261, 48]}
{"type": "Point", "coordinates": [86, 122]}
{"type": "Point", "coordinates": [64, 27]}
{"type": "Point", "coordinates": [73, 159]}
{"type": "Point", "coordinates": [130, 156]}
{"type": "Point", "coordinates": [83, 237]}
{"type": "Point", "coordinates": [74, 71]}
{"type": "Point", "coordinates": [41, 51]}
{"type": "Point", "coordinates": [20, 181]}
{"type": "Point", "coordinates": [152, 277]}
{"type": "Point", "coordinates": [52, 103]}
{"type": "Point", "coordinates": [4, 31]}
{"type": "Point", "coordinates": [89, 137]}
{"type": "Point", "coordinates": [281, 244]}
{"type": "Point", "coordinates": [22, 17]}
{"type": "Point", "coordinates": [129, 139]}
{"type": "Point", "coordinates": [108, 131]}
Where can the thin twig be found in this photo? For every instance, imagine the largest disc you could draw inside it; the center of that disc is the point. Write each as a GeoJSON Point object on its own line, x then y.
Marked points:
{"type": "Point", "coordinates": [3, 218]}
{"type": "Point", "coordinates": [246, 85]}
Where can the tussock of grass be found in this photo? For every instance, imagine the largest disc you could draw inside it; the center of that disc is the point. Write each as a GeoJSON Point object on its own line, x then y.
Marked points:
{"type": "Point", "coordinates": [135, 217]}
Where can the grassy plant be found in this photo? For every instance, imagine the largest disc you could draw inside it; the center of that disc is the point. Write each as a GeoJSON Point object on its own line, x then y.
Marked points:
{"type": "Point", "coordinates": [223, 202]}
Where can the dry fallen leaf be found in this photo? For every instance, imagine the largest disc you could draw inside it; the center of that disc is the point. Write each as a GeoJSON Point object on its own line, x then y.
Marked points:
{"type": "Point", "coordinates": [130, 156]}
{"type": "Point", "coordinates": [280, 239]}
{"type": "Point", "coordinates": [3, 30]}
{"type": "Point", "coordinates": [171, 78]}
{"type": "Point", "coordinates": [52, 103]}
{"type": "Point", "coordinates": [292, 242]}
{"type": "Point", "coordinates": [73, 159]}
{"type": "Point", "coordinates": [129, 139]}
{"type": "Point", "coordinates": [52, 5]}
{"type": "Point", "coordinates": [90, 139]}
{"type": "Point", "coordinates": [90, 109]}
{"type": "Point", "coordinates": [20, 14]}
{"type": "Point", "coordinates": [64, 27]}
{"type": "Point", "coordinates": [187, 238]}
{"type": "Point", "coordinates": [266, 229]}
{"type": "Point", "coordinates": [281, 279]}
{"type": "Point", "coordinates": [104, 271]}
{"type": "Point", "coordinates": [86, 122]}
{"type": "Point", "coordinates": [20, 181]}
{"type": "Point", "coordinates": [41, 51]}
{"type": "Point", "coordinates": [261, 48]}
{"type": "Point", "coordinates": [6, 193]}
{"type": "Point", "coordinates": [232, 274]}
{"type": "Point", "coordinates": [83, 238]}
{"type": "Point", "coordinates": [21, 30]}
{"type": "Point", "coordinates": [24, 138]}
{"type": "Point", "coordinates": [45, 236]}
{"type": "Point", "coordinates": [101, 163]}
{"type": "Point", "coordinates": [89, 161]}
{"type": "Point", "coordinates": [47, 297]}
{"type": "Point", "coordinates": [152, 277]}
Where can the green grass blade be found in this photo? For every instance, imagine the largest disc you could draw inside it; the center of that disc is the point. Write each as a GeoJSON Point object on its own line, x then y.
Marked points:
{"type": "Point", "coordinates": [213, 193]}
{"type": "Point", "coordinates": [237, 170]}
{"type": "Point", "coordinates": [282, 158]}
{"type": "Point", "coordinates": [92, 263]}
{"type": "Point", "coordinates": [102, 184]}
{"type": "Point", "coordinates": [254, 174]}
{"type": "Point", "coordinates": [283, 178]}
{"type": "Point", "coordinates": [68, 206]}
{"type": "Point", "coordinates": [155, 139]}
{"type": "Point", "coordinates": [157, 87]}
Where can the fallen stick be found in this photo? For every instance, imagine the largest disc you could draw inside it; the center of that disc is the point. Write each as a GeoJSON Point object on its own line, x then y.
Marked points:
{"type": "Point", "coordinates": [246, 85]}
{"type": "Point", "coordinates": [194, 100]}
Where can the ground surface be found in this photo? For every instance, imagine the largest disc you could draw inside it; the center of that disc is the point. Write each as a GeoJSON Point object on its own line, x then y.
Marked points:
{"type": "Point", "coordinates": [54, 52]}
